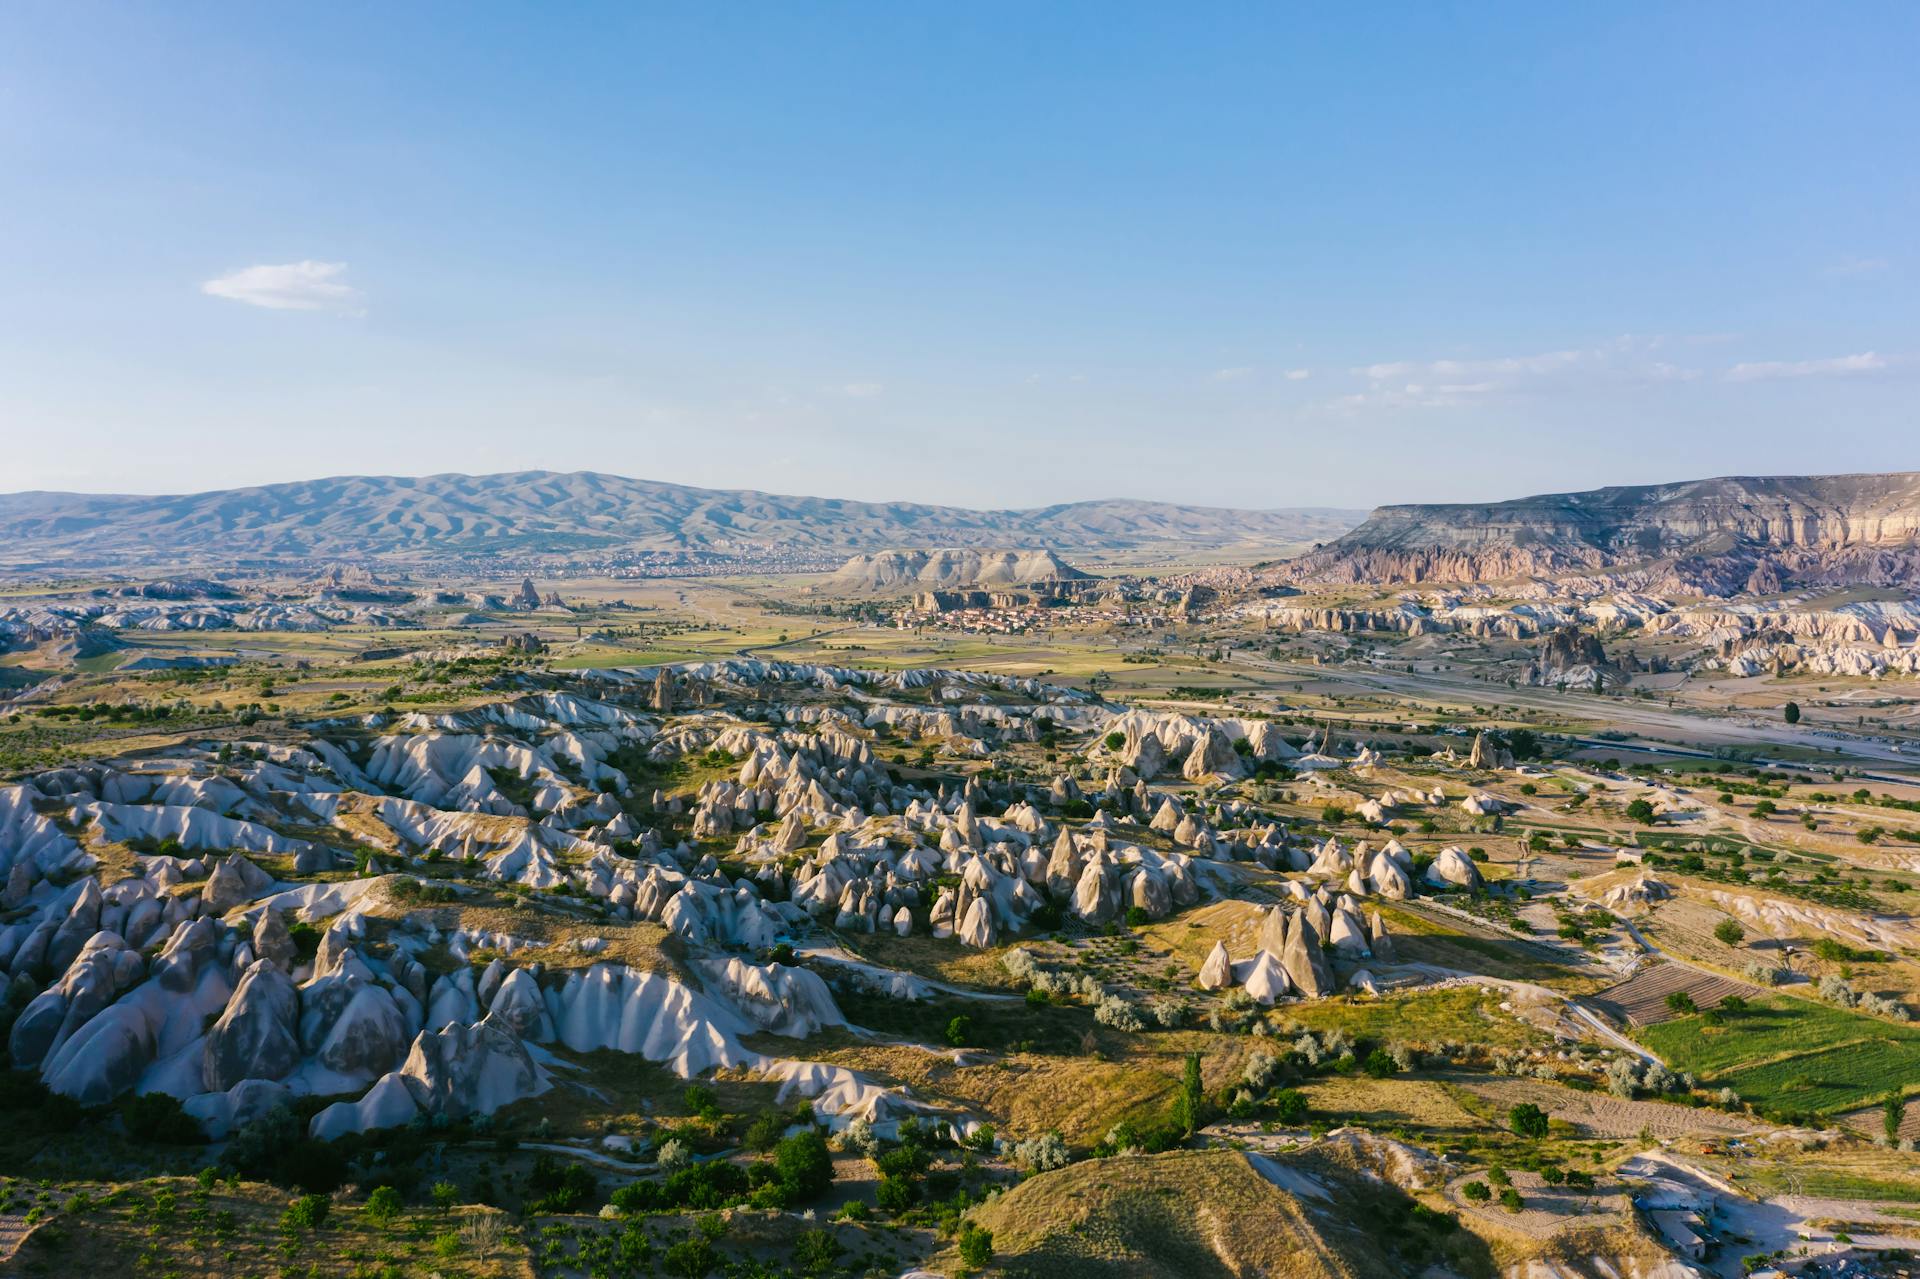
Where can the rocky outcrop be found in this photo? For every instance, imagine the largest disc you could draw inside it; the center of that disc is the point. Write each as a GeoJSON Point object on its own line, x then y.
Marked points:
{"type": "Point", "coordinates": [947, 569]}
{"type": "Point", "coordinates": [257, 1035]}
{"type": "Point", "coordinates": [1574, 657]}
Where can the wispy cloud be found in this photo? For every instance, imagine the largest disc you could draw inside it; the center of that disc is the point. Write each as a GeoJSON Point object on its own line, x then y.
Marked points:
{"type": "Point", "coordinates": [1235, 374]}
{"type": "Point", "coordinates": [1298, 375]}
{"type": "Point", "coordinates": [290, 286]}
{"type": "Point", "coordinates": [1838, 366]}
{"type": "Point", "coordinates": [1507, 366]}
{"type": "Point", "coordinates": [862, 390]}
{"type": "Point", "coordinates": [1450, 383]}
{"type": "Point", "coordinates": [1853, 268]}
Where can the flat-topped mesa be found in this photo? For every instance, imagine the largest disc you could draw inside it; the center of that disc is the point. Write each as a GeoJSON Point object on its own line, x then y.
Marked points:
{"type": "Point", "coordinates": [1751, 532]}
{"type": "Point", "coordinates": [953, 567]}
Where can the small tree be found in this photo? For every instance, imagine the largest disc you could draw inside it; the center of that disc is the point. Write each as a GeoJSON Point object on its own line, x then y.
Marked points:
{"type": "Point", "coordinates": [1510, 1200]}
{"type": "Point", "coordinates": [895, 1194]}
{"type": "Point", "coordinates": [308, 1212]}
{"type": "Point", "coordinates": [816, 1251]}
{"type": "Point", "coordinates": [1191, 1103]}
{"type": "Point", "coordinates": [445, 1195]}
{"type": "Point", "coordinates": [383, 1206]}
{"type": "Point", "coordinates": [976, 1246]}
{"type": "Point", "coordinates": [1380, 1064]}
{"type": "Point", "coordinates": [803, 1165]}
{"type": "Point", "coordinates": [1528, 1120]}
{"type": "Point", "coordinates": [1681, 1003]}
{"type": "Point", "coordinates": [1791, 712]}
{"type": "Point", "coordinates": [1891, 1115]}
{"type": "Point", "coordinates": [1477, 1191]}
{"type": "Point", "coordinates": [1290, 1106]}
{"type": "Point", "coordinates": [1729, 932]}
{"type": "Point", "coordinates": [960, 1031]}
{"type": "Point", "coordinates": [1640, 811]}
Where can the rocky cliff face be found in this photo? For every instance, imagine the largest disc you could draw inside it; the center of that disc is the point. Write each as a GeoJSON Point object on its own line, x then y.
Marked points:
{"type": "Point", "coordinates": [950, 568]}
{"type": "Point", "coordinates": [1722, 535]}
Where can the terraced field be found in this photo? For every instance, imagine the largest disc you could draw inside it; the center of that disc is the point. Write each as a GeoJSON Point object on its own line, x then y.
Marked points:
{"type": "Point", "coordinates": [1641, 1000]}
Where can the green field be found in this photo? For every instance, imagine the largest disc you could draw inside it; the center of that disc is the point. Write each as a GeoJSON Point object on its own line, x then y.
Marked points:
{"type": "Point", "coordinates": [1794, 1054]}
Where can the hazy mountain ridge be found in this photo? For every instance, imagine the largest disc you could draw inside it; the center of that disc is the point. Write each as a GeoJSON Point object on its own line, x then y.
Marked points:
{"type": "Point", "coordinates": [1767, 530]}
{"type": "Point", "coordinates": [537, 511]}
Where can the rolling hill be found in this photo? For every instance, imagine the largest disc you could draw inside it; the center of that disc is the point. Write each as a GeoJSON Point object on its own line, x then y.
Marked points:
{"type": "Point", "coordinates": [545, 511]}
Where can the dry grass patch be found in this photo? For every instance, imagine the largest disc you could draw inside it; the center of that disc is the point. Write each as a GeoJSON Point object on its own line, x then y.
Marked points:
{"type": "Point", "coordinates": [1197, 1215]}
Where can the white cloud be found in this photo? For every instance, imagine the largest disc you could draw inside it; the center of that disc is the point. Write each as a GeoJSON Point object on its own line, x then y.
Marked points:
{"type": "Point", "coordinates": [1298, 375]}
{"type": "Point", "coordinates": [1233, 374]}
{"type": "Point", "coordinates": [1764, 370]}
{"type": "Point", "coordinates": [862, 390]}
{"type": "Point", "coordinates": [291, 286]}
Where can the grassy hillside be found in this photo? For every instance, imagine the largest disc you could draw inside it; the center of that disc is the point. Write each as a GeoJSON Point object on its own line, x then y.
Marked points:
{"type": "Point", "coordinates": [1213, 1213]}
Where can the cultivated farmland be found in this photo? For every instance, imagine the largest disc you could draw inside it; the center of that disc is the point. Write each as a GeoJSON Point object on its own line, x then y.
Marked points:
{"type": "Point", "coordinates": [1792, 1054]}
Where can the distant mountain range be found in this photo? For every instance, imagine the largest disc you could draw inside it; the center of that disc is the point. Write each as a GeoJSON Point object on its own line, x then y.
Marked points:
{"type": "Point", "coordinates": [1753, 533]}
{"type": "Point", "coordinates": [548, 512]}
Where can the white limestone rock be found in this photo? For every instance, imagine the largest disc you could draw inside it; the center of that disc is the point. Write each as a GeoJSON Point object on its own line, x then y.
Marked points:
{"type": "Point", "coordinates": [1217, 972]}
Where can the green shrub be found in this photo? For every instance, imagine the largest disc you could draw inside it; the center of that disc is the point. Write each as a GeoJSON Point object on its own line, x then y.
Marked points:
{"type": "Point", "coordinates": [308, 1212]}
{"type": "Point", "coordinates": [157, 1117]}
{"type": "Point", "coordinates": [560, 1188]}
{"type": "Point", "coordinates": [692, 1258]}
{"type": "Point", "coordinates": [383, 1206]}
{"type": "Point", "coordinates": [816, 1251]}
{"type": "Point", "coordinates": [976, 1246]}
{"type": "Point", "coordinates": [896, 1194]}
{"type": "Point", "coordinates": [1528, 1120]}
{"type": "Point", "coordinates": [803, 1166]}
{"type": "Point", "coordinates": [764, 1132]}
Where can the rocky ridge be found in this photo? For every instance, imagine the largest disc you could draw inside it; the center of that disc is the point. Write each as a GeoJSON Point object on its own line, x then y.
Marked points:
{"type": "Point", "coordinates": [1751, 533]}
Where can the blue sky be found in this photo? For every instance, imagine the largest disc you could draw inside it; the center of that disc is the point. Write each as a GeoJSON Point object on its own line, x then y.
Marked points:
{"type": "Point", "coordinates": [991, 254]}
